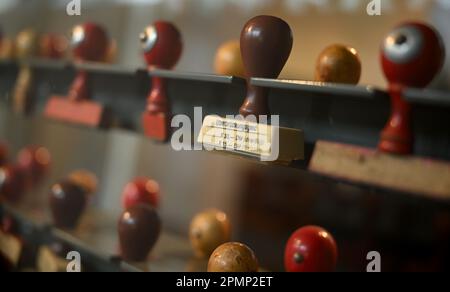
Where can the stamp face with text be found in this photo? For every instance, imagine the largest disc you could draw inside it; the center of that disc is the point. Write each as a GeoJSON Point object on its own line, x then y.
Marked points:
{"type": "Point", "coordinates": [267, 142]}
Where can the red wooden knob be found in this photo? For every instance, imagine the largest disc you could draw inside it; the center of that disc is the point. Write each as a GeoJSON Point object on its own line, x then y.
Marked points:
{"type": "Point", "coordinates": [3, 153]}
{"type": "Point", "coordinates": [162, 46]}
{"type": "Point", "coordinates": [34, 162]}
{"type": "Point", "coordinates": [311, 249]}
{"type": "Point", "coordinates": [90, 43]}
{"type": "Point", "coordinates": [52, 46]}
{"type": "Point", "coordinates": [12, 183]}
{"type": "Point", "coordinates": [266, 43]}
{"type": "Point", "coordinates": [411, 56]}
{"type": "Point", "coordinates": [84, 179]}
{"type": "Point", "coordinates": [141, 191]}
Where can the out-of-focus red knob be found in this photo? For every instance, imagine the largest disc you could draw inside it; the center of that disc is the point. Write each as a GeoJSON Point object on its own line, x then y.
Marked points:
{"type": "Point", "coordinates": [12, 183]}
{"type": "Point", "coordinates": [89, 42]}
{"type": "Point", "coordinates": [52, 46]}
{"type": "Point", "coordinates": [141, 191]}
{"type": "Point", "coordinates": [3, 153]}
{"type": "Point", "coordinates": [9, 225]}
{"type": "Point", "coordinates": [34, 162]}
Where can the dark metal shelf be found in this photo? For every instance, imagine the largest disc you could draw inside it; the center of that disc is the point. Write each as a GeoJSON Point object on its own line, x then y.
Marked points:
{"type": "Point", "coordinates": [87, 66]}
{"type": "Point", "coordinates": [96, 240]}
{"type": "Point", "coordinates": [413, 95]}
{"type": "Point", "coordinates": [117, 69]}
{"type": "Point", "coordinates": [94, 257]}
{"type": "Point", "coordinates": [428, 97]}
{"type": "Point", "coordinates": [37, 232]}
{"type": "Point", "coordinates": [7, 62]}
{"type": "Point", "coordinates": [338, 90]}
{"type": "Point", "coordinates": [169, 74]}
{"type": "Point", "coordinates": [105, 68]}
{"type": "Point", "coordinates": [48, 64]}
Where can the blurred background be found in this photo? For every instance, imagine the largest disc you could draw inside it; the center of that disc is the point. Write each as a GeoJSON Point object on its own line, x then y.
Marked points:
{"type": "Point", "coordinates": [205, 24]}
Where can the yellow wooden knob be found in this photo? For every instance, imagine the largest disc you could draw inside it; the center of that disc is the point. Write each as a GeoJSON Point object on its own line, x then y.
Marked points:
{"type": "Point", "coordinates": [228, 60]}
{"type": "Point", "coordinates": [208, 230]}
{"type": "Point", "coordinates": [338, 64]}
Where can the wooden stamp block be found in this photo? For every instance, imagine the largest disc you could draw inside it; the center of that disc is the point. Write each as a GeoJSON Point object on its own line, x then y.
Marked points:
{"type": "Point", "coordinates": [369, 166]}
{"type": "Point", "coordinates": [49, 262]}
{"type": "Point", "coordinates": [89, 44]}
{"type": "Point", "coordinates": [10, 247]}
{"type": "Point", "coordinates": [156, 126]}
{"type": "Point", "coordinates": [83, 112]}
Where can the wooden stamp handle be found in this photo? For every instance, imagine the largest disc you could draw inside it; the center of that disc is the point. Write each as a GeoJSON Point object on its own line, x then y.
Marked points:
{"type": "Point", "coordinates": [396, 138]}
{"type": "Point", "coordinates": [256, 102]}
{"type": "Point", "coordinates": [22, 102]}
{"type": "Point", "coordinates": [157, 100]}
{"type": "Point", "coordinates": [79, 91]}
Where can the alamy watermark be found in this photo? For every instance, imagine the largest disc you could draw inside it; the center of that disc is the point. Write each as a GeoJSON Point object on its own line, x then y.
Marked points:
{"type": "Point", "coordinates": [74, 8]}
{"type": "Point", "coordinates": [74, 265]}
{"type": "Point", "coordinates": [374, 8]}
{"type": "Point", "coordinates": [374, 265]}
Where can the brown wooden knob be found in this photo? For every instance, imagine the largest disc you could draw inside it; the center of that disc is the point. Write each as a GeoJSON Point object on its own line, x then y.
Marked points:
{"type": "Point", "coordinates": [84, 179]}
{"type": "Point", "coordinates": [266, 43]}
{"type": "Point", "coordinates": [67, 203]}
{"type": "Point", "coordinates": [233, 257]}
{"type": "Point", "coordinates": [12, 183]}
{"type": "Point", "coordinates": [338, 64]}
{"type": "Point", "coordinates": [208, 230]}
{"type": "Point", "coordinates": [139, 228]}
